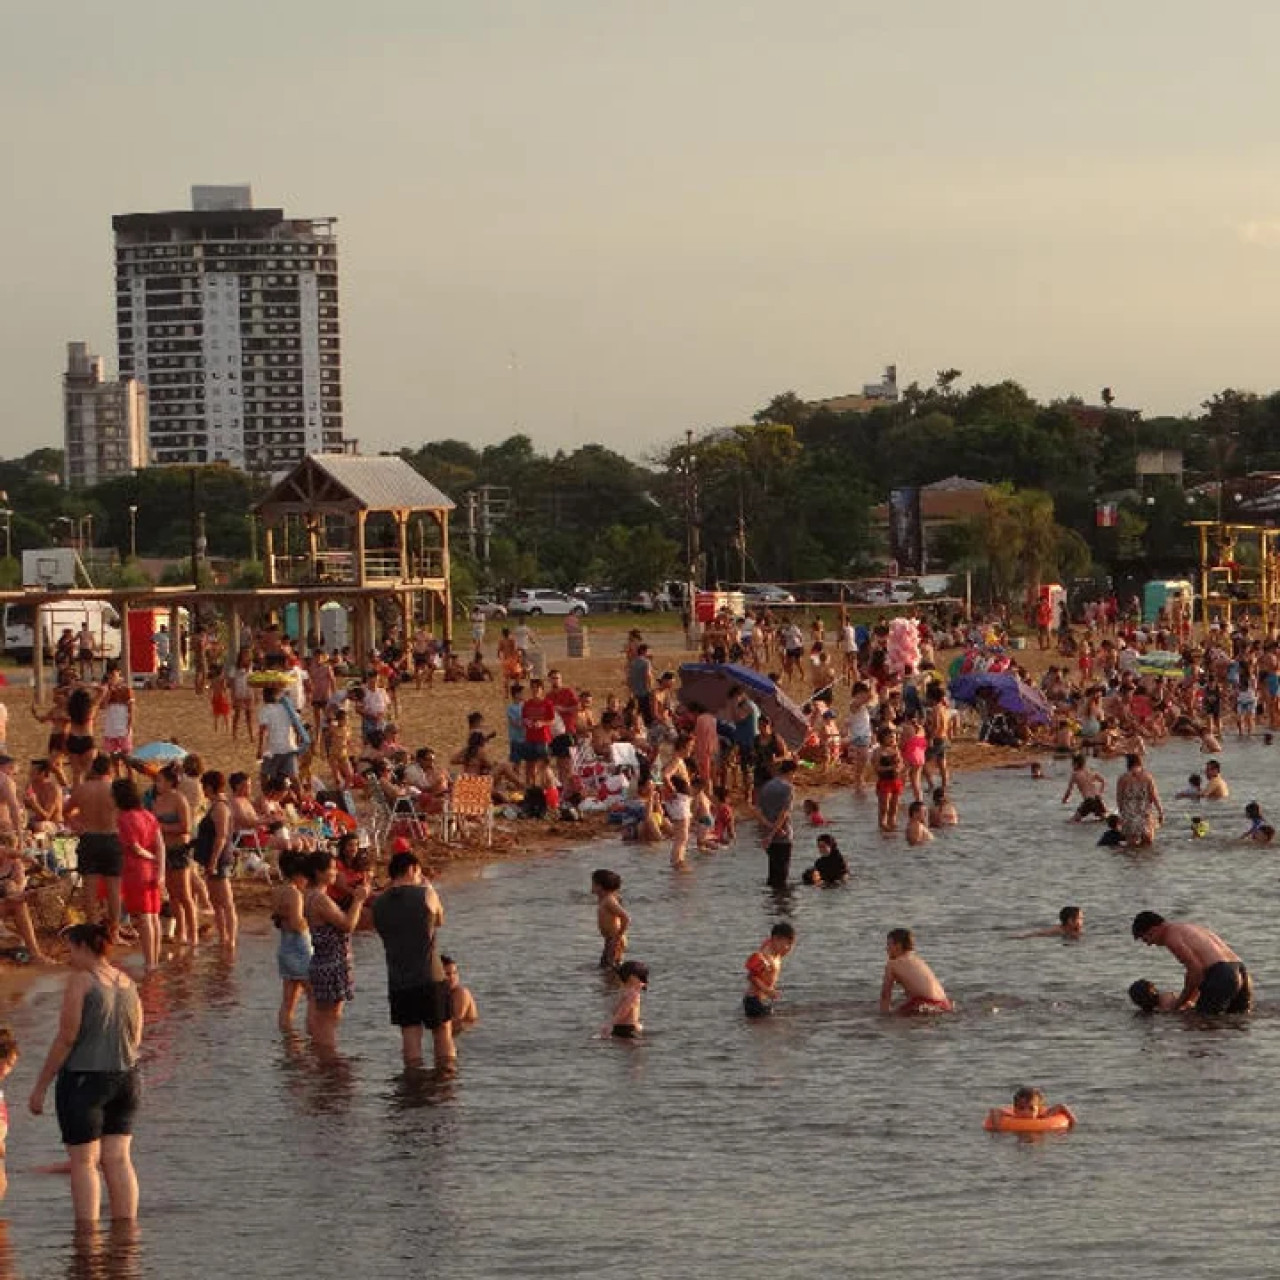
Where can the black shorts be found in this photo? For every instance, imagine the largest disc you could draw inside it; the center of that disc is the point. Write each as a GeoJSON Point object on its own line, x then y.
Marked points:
{"type": "Point", "coordinates": [562, 746]}
{"type": "Point", "coordinates": [79, 744]}
{"type": "Point", "coordinates": [1092, 807]}
{"type": "Point", "coordinates": [754, 1007]}
{"type": "Point", "coordinates": [98, 853]}
{"type": "Point", "coordinates": [424, 1006]}
{"type": "Point", "coordinates": [1225, 988]}
{"type": "Point", "coordinates": [625, 1031]}
{"type": "Point", "coordinates": [535, 751]}
{"type": "Point", "coordinates": [178, 857]}
{"type": "Point", "coordinates": [96, 1104]}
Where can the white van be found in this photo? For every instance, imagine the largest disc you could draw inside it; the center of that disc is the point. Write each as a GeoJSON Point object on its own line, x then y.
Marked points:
{"type": "Point", "coordinates": [19, 622]}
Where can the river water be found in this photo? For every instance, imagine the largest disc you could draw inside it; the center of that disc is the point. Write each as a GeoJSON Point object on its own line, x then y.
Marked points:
{"type": "Point", "coordinates": [829, 1140]}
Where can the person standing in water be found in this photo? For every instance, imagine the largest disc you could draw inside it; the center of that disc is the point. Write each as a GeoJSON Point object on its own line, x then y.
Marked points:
{"type": "Point", "coordinates": [94, 1057]}
{"type": "Point", "coordinates": [906, 969]}
{"type": "Point", "coordinates": [1138, 800]}
{"type": "Point", "coordinates": [408, 916]}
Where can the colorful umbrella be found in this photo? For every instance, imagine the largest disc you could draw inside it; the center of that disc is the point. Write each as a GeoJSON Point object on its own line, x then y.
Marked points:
{"type": "Point", "coordinates": [157, 754]}
{"type": "Point", "coordinates": [1011, 693]}
{"type": "Point", "coordinates": [713, 685]}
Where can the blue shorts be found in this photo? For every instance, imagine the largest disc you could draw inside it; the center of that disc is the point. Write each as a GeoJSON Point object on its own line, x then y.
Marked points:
{"type": "Point", "coordinates": [293, 957]}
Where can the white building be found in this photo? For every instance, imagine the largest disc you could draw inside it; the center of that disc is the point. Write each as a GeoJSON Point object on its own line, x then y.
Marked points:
{"type": "Point", "coordinates": [229, 315]}
{"type": "Point", "coordinates": [104, 423]}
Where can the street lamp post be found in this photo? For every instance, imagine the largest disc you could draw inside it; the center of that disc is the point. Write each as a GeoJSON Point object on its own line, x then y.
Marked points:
{"type": "Point", "coordinates": [133, 531]}
{"type": "Point", "coordinates": [7, 512]}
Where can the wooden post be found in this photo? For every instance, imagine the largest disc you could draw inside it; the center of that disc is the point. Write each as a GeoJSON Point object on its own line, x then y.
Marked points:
{"type": "Point", "coordinates": [233, 633]}
{"type": "Point", "coordinates": [361, 517]}
{"type": "Point", "coordinates": [126, 649]}
{"type": "Point", "coordinates": [402, 543]}
{"type": "Point", "coordinates": [175, 645]}
{"type": "Point", "coordinates": [269, 553]}
{"type": "Point", "coordinates": [37, 654]}
{"type": "Point", "coordinates": [371, 623]}
{"type": "Point", "coordinates": [1204, 576]}
{"type": "Point", "coordinates": [443, 520]}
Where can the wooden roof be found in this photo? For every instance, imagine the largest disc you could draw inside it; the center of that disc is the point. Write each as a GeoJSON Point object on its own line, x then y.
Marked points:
{"type": "Point", "coordinates": [344, 482]}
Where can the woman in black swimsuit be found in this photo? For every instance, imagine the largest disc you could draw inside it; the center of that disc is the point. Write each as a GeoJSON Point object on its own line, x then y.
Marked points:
{"type": "Point", "coordinates": [82, 705]}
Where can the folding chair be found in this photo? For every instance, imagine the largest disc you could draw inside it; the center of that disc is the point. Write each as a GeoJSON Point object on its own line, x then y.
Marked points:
{"type": "Point", "coordinates": [403, 812]}
{"type": "Point", "coordinates": [470, 801]}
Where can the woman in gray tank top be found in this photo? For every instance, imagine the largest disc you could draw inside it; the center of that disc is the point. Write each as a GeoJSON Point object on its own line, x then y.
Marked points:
{"type": "Point", "coordinates": [95, 1060]}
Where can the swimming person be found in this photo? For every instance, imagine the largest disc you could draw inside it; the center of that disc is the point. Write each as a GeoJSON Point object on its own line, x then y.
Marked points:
{"type": "Point", "coordinates": [764, 968]}
{"type": "Point", "coordinates": [626, 1023]}
{"type": "Point", "coordinates": [942, 813]}
{"type": "Point", "coordinates": [1150, 999]}
{"type": "Point", "coordinates": [611, 917]}
{"type": "Point", "coordinates": [1029, 1104]}
{"type": "Point", "coordinates": [95, 1059]}
{"type": "Point", "coordinates": [918, 823]}
{"type": "Point", "coordinates": [1215, 785]}
{"type": "Point", "coordinates": [906, 969]}
{"type": "Point", "coordinates": [1216, 980]}
{"type": "Point", "coordinates": [1112, 836]}
{"type": "Point", "coordinates": [1070, 925]}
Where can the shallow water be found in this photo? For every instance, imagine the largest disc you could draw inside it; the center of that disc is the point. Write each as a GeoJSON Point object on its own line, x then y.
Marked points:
{"type": "Point", "coordinates": [829, 1140]}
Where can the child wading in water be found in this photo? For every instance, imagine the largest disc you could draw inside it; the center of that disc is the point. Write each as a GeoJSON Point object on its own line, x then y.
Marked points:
{"type": "Point", "coordinates": [764, 967]}
{"type": "Point", "coordinates": [726, 830]}
{"type": "Point", "coordinates": [907, 970]}
{"type": "Point", "coordinates": [888, 765]}
{"type": "Point", "coordinates": [610, 916]}
{"type": "Point", "coordinates": [680, 811]}
{"type": "Point", "coordinates": [626, 1023]}
{"type": "Point", "coordinates": [918, 823]}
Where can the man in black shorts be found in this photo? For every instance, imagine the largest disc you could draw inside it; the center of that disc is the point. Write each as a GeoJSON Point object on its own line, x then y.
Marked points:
{"type": "Point", "coordinates": [99, 856]}
{"type": "Point", "coordinates": [407, 915]}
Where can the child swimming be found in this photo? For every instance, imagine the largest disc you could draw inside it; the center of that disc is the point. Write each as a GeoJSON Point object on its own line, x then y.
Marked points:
{"type": "Point", "coordinates": [764, 968]}
{"type": "Point", "coordinates": [1070, 925]}
{"type": "Point", "coordinates": [626, 1023]}
{"type": "Point", "coordinates": [813, 814]}
{"type": "Point", "coordinates": [1112, 836]}
{"type": "Point", "coordinates": [1192, 791]}
{"type": "Point", "coordinates": [1150, 999]}
{"type": "Point", "coordinates": [918, 823]}
{"type": "Point", "coordinates": [1029, 1104]}
{"type": "Point", "coordinates": [611, 917]}
{"type": "Point", "coordinates": [943, 813]}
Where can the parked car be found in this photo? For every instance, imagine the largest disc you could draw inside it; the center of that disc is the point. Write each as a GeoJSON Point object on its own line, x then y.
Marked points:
{"type": "Point", "coordinates": [895, 594]}
{"type": "Point", "coordinates": [764, 595]}
{"type": "Point", "coordinates": [489, 607]}
{"type": "Point", "coordinates": [648, 602]}
{"type": "Point", "coordinates": [539, 600]}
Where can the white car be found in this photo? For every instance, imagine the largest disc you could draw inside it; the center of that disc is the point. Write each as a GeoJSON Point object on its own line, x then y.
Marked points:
{"type": "Point", "coordinates": [885, 595]}
{"type": "Point", "coordinates": [538, 600]}
{"type": "Point", "coordinates": [764, 595]}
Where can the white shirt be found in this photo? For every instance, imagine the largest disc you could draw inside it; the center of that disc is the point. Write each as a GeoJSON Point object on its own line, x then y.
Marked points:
{"type": "Point", "coordinates": [280, 740]}
{"type": "Point", "coordinates": [115, 720]}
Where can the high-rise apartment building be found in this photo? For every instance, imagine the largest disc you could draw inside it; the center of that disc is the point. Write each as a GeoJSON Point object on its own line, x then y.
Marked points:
{"type": "Point", "coordinates": [104, 423]}
{"type": "Point", "coordinates": [229, 316]}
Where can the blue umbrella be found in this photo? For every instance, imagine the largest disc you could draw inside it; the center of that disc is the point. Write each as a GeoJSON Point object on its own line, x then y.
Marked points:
{"type": "Point", "coordinates": [713, 684]}
{"type": "Point", "coordinates": [159, 753]}
{"type": "Point", "coordinates": [1012, 694]}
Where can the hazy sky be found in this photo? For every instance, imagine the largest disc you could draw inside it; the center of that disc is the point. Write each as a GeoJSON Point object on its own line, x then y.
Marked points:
{"type": "Point", "coordinates": [671, 211]}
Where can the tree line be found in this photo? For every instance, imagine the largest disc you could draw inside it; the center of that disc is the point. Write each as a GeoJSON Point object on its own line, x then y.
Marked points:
{"type": "Point", "coordinates": [784, 497]}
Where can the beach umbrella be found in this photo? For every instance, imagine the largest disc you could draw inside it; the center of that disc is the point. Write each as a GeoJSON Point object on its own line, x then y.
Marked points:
{"type": "Point", "coordinates": [157, 754]}
{"type": "Point", "coordinates": [713, 685]}
{"type": "Point", "coordinates": [1011, 693]}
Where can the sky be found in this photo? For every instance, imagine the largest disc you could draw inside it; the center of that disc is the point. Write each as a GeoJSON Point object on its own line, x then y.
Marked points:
{"type": "Point", "coordinates": [606, 221]}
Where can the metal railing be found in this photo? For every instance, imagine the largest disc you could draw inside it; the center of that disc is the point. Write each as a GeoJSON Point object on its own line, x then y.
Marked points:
{"type": "Point", "coordinates": [339, 567]}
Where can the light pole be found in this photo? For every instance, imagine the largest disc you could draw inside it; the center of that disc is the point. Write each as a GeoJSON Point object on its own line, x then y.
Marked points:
{"type": "Point", "coordinates": [133, 531]}
{"type": "Point", "coordinates": [7, 512]}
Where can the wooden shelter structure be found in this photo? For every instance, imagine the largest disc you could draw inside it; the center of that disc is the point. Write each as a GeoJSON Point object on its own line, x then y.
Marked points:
{"type": "Point", "coordinates": [345, 527]}
{"type": "Point", "coordinates": [1229, 582]}
{"type": "Point", "coordinates": [339, 527]}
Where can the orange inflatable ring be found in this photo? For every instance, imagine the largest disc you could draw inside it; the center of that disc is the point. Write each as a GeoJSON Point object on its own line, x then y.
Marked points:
{"type": "Point", "coordinates": [1006, 1120]}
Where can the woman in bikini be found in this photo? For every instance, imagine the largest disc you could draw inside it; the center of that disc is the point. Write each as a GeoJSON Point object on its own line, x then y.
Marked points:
{"type": "Point", "coordinates": [889, 766]}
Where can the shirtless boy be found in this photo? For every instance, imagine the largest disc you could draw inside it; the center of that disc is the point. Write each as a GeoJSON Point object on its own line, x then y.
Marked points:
{"type": "Point", "coordinates": [1216, 980]}
{"type": "Point", "coordinates": [611, 917]}
{"type": "Point", "coordinates": [1215, 785]}
{"type": "Point", "coordinates": [764, 967]}
{"type": "Point", "coordinates": [1091, 784]}
{"type": "Point", "coordinates": [906, 969]}
{"type": "Point", "coordinates": [91, 811]}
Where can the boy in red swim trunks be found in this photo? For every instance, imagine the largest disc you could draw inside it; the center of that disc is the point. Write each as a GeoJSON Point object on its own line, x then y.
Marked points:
{"type": "Point", "coordinates": [907, 970]}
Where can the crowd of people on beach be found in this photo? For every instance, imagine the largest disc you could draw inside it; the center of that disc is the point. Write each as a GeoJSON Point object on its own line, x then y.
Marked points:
{"type": "Point", "coordinates": [162, 844]}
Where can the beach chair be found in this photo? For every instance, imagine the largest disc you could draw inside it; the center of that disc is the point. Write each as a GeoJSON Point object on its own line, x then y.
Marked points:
{"type": "Point", "coordinates": [403, 813]}
{"type": "Point", "coordinates": [471, 801]}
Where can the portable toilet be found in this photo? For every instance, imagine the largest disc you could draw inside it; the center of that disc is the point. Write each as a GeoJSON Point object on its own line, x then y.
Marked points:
{"type": "Point", "coordinates": [1169, 592]}
{"type": "Point", "coordinates": [333, 626]}
{"type": "Point", "coordinates": [292, 621]}
{"type": "Point", "coordinates": [143, 625]}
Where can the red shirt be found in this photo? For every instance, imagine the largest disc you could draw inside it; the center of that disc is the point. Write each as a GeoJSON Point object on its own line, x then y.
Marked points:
{"type": "Point", "coordinates": [565, 702]}
{"type": "Point", "coordinates": [537, 714]}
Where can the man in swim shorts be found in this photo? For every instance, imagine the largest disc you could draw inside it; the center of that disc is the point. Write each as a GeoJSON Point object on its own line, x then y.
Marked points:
{"type": "Point", "coordinates": [1216, 980]}
{"type": "Point", "coordinates": [906, 969]}
{"type": "Point", "coordinates": [92, 812]}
